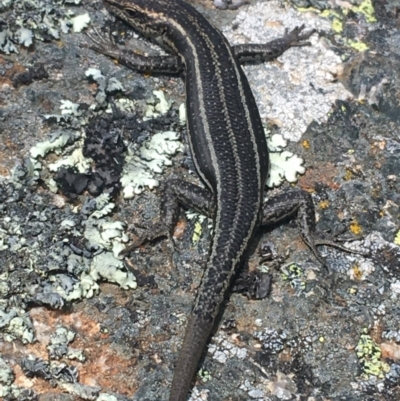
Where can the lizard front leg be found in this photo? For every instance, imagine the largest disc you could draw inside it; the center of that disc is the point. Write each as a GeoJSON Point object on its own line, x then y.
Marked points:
{"type": "Point", "coordinates": [134, 60]}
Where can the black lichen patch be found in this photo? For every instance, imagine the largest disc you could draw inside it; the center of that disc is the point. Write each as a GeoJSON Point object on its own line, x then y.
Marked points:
{"type": "Point", "coordinates": [104, 144]}
{"type": "Point", "coordinates": [72, 183]}
{"type": "Point", "coordinates": [36, 73]}
{"type": "Point", "coordinates": [254, 284]}
{"type": "Point", "coordinates": [36, 367]}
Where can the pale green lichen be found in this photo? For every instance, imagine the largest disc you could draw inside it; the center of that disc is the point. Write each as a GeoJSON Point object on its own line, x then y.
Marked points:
{"type": "Point", "coordinates": [284, 165]}
{"type": "Point", "coordinates": [70, 108]}
{"type": "Point", "coordinates": [182, 114]}
{"type": "Point", "coordinates": [25, 36]}
{"type": "Point", "coordinates": [89, 286]}
{"type": "Point", "coordinates": [105, 86]}
{"type": "Point", "coordinates": [204, 375]}
{"type": "Point", "coordinates": [4, 289]}
{"type": "Point", "coordinates": [62, 336]}
{"type": "Point", "coordinates": [157, 105]}
{"type": "Point", "coordinates": [197, 232]}
{"type": "Point", "coordinates": [80, 22]}
{"type": "Point", "coordinates": [58, 141]}
{"type": "Point", "coordinates": [124, 104]}
{"type": "Point", "coordinates": [198, 225]}
{"type": "Point", "coordinates": [158, 150]}
{"type": "Point", "coordinates": [81, 390]}
{"type": "Point", "coordinates": [106, 234]}
{"type": "Point", "coordinates": [107, 267]}
{"type": "Point", "coordinates": [152, 157]}
{"type": "Point", "coordinates": [6, 42]}
{"type": "Point", "coordinates": [106, 397]}
{"type": "Point", "coordinates": [75, 159]}
{"type": "Point", "coordinates": [337, 25]}
{"type": "Point", "coordinates": [95, 74]}
{"type": "Point", "coordinates": [103, 206]}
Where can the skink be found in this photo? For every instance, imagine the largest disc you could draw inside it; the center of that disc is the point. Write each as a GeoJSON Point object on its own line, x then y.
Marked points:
{"type": "Point", "coordinates": [228, 146]}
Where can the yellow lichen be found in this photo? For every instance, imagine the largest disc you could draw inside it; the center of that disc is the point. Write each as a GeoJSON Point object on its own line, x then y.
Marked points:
{"type": "Point", "coordinates": [323, 204]}
{"type": "Point", "coordinates": [355, 227]}
{"type": "Point", "coordinates": [359, 46]}
{"type": "Point", "coordinates": [197, 232]}
{"type": "Point", "coordinates": [337, 25]}
{"type": "Point", "coordinates": [348, 176]}
{"type": "Point", "coordinates": [357, 273]}
{"type": "Point", "coordinates": [369, 354]}
{"type": "Point", "coordinates": [366, 8]}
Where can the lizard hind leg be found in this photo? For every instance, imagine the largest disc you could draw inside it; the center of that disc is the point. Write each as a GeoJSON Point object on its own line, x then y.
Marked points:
{"type": "Point", "coordinates": [299, 204]}
{"type": "Point", "coordinates": [173, 194]}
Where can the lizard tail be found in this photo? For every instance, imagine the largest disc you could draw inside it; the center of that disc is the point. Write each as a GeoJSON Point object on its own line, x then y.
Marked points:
{"type": "Point", "coordinates": [197, 333]}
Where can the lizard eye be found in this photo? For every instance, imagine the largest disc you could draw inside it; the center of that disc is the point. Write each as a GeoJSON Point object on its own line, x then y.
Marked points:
{"type": "Point", "coordinates": [131, 13]}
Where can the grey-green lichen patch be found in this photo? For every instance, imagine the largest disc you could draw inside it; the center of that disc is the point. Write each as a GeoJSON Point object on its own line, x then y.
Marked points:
{"type": "Point", "coordinates": [6, 374]}
{"type": "Point", "coordinates": [102, 238]}
{"type": "Point", "coordinates": [58, 345]}
{"type": "Point", "coordinates": [222, 349]}
{"type": "Point", "coordinates": [16, 324]}
{"type": "Point", "coordinates": [106, 234]}
{"type": "Point", "coordinates": [106, 86]}
{"type": "Point", "coordinates": [61, 257]}
{"type": "Point", "coordinates": [303, 89]}
{"type": "Point", "coordinates": [199, 395]}
{"type": "Point", "coordinates": [15, 393]}
{"type": "Point", "coordinates": [271, 340]}
{"type": "Point", "coordinates": [83, 391]}
{"type": "Point", "coordinates": [28, 20]}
